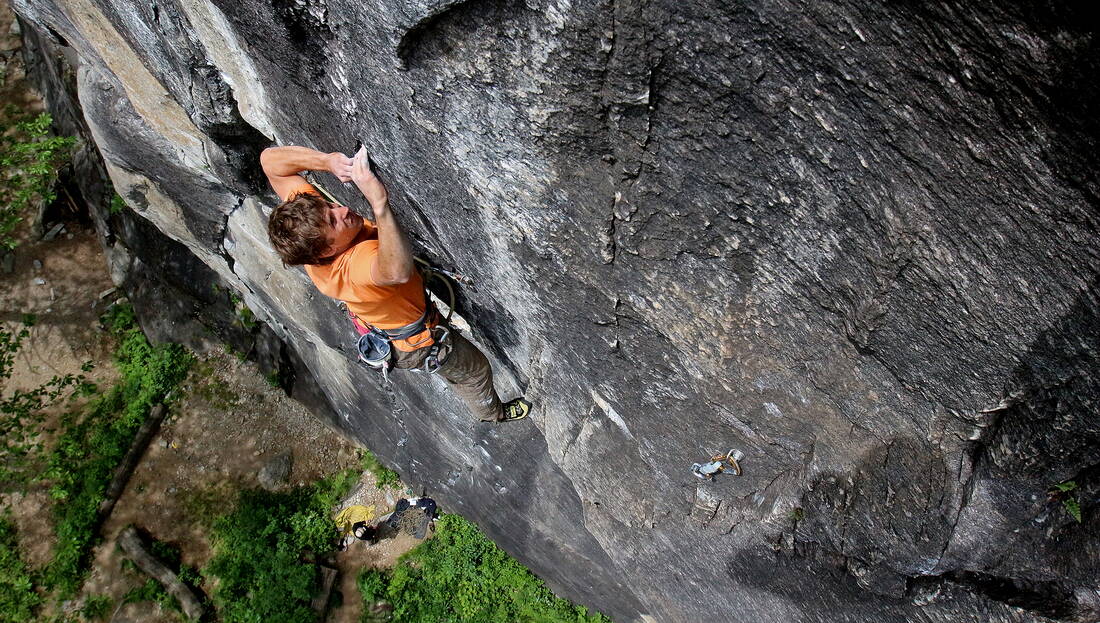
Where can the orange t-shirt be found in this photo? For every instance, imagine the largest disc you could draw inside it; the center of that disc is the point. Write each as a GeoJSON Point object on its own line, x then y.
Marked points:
{"type": "Point", "coordinates": [348, 278]}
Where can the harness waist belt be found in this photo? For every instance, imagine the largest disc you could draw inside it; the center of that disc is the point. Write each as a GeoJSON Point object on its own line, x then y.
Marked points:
{"type": "Point", "coordinates": [409, 330]}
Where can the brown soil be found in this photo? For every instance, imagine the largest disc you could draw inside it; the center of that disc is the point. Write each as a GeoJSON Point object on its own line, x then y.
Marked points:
{"type": "Point", "coordinates": [226, 423]}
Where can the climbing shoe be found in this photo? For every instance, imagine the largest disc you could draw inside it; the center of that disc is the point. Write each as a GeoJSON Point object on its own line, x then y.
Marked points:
{"type": "Point", "coordinates": [515, 410]}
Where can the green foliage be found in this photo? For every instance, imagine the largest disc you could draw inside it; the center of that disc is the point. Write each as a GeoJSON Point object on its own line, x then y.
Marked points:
{"type": "Point", "coordinates": [152, 591]}
{"type": "Point", "coordinates": [1066, 492]}
{"type": "Point", "coordinates": [18, 600]}
{"type": "Point", "coordinates": [383, 476]}
{"type": "Point", "coordinates": [1073, 507]}
{"type": "Point", "coordinates": [91, 446]}
{"type": "Point", "coordinates": [118, 204]}
{"type": "Point", "coordinates": [96, 607]}
{"type": "Point", "coordinates": [166, 553]}
{"type": "Point", "coordinates": [274, 379]}
{"type": "Point", "coordinates": [245, 318]}
{"type": "Point", "coordinates": [258, 551]}
{"type": "Point", "coordinates": [462, 577]}
{"type": "Point", "coordinates": [22, 412]}
{"type": "Point", "coordinates": [29, 159]}
{"type": "Point", "coordinates": [1065, 487]}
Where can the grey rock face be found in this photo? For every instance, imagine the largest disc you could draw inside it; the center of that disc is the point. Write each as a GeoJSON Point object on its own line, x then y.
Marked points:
{"type": "Point", "coordinates": [856, 242]}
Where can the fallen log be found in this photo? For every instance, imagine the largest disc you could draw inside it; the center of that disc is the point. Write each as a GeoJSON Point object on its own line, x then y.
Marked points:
{"type": "Point", "coordinates": [133, 456]}
{"type": "Point", "coordinates": [328, 579]}
{"type": "Point", "coordinates": [134, 547]}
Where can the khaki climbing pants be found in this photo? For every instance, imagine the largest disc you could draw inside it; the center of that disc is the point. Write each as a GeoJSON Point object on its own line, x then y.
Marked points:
{"type": "Point", "coordinates": [465, 369]}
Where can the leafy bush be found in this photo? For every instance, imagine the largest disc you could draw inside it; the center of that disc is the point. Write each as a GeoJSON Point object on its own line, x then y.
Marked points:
{"type": "Point", "coordinates": [383, 476]}
{"type": "Point", "coordinates": [96, 607]}
{"type": "Point", "coordinates": [118, 204]}
{"type": "Point", "coordinates": [155, 592]}
{"type": "Point", "coordinates": [259, 549]}
{"type": "Point", "coordinates": [18, 600]}
{"type": "Point", "coordinates": [92, 445]}
{"type": "Point", "coordinates": [460, 576]}
{"type": "Point", "coordinates": [29, 159]}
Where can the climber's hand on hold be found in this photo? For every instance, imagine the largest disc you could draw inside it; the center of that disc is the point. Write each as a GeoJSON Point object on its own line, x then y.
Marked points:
{"type": "Point", "coordinates": [339, 165]}
{"type": "Point", "coordinates": [368, 183]}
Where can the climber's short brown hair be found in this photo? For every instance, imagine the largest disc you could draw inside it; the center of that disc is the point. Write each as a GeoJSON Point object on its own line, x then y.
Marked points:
{"type": "Point", "coordinates": [298, 229]}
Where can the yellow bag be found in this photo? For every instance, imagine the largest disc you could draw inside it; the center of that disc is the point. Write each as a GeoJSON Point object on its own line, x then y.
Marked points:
{"type": "Point", "coordinates": [352, 515]}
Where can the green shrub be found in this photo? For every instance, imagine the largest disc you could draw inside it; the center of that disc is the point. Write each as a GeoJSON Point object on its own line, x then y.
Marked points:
{"type": "Point", "coordinates": [18, 599]}
{"type": "Point", "coordinates": [29, 160]}
{"type": "Point", "coordinates": [92, 445]}
{"type": "Point", "coordinates": [118, 204]}
{"type": "Point", "coordinates": [460, 576]}
{"type": "Point", "coordinates": [383, 476]}
{"type": "Point", "coordinates": [259, 549]}
{"type": "Point", "coordinates": [152, 591]}
{"type": "Point", "coordinates": [96, 607]}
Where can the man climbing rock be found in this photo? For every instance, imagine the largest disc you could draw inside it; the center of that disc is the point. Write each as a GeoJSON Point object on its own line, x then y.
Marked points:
{"type": "Point", "coordinates": [370, 268]}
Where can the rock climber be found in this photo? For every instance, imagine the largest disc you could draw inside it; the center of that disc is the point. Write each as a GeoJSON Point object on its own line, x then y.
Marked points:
{"type": "Point", "coordinates": [370, 268]}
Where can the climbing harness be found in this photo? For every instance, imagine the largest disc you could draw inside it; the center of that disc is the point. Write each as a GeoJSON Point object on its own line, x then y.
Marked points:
{"type": "Point", "coordinates": [375, 346]}
{"type": "Point", "coordinates": [718, 464]}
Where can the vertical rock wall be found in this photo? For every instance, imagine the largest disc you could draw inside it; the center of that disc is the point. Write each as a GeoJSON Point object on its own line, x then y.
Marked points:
{"type": "Point", "coordinates": [858, 243]}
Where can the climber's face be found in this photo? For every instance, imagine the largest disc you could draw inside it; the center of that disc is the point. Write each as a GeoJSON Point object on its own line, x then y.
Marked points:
{"type": "Point", "coordinates": [343, 226]}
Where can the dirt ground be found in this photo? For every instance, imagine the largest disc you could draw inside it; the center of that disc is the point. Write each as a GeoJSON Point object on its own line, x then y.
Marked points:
{"type": "Point", "coordinates": [225, 424]}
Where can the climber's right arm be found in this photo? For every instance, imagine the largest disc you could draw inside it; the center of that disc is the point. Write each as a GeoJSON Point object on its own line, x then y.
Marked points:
{"type": "Point", "coordinates": [283, 164]}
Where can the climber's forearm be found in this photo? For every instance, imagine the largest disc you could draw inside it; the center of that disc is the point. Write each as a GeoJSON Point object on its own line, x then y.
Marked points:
{"type": "Point", "coordinates": [291, 160]}
{"type": "Point", "coordinates": [283, 164]}
{"type": "Point", "coordinates": [394, 264]}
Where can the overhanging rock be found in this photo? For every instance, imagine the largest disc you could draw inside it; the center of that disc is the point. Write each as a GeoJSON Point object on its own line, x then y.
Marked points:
{"type": "Point", "coordinates": [856, 242]}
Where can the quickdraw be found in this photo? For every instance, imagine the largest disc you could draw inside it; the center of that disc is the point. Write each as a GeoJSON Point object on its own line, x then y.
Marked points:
{"type": "Point", "coordinates": [718, 464]}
